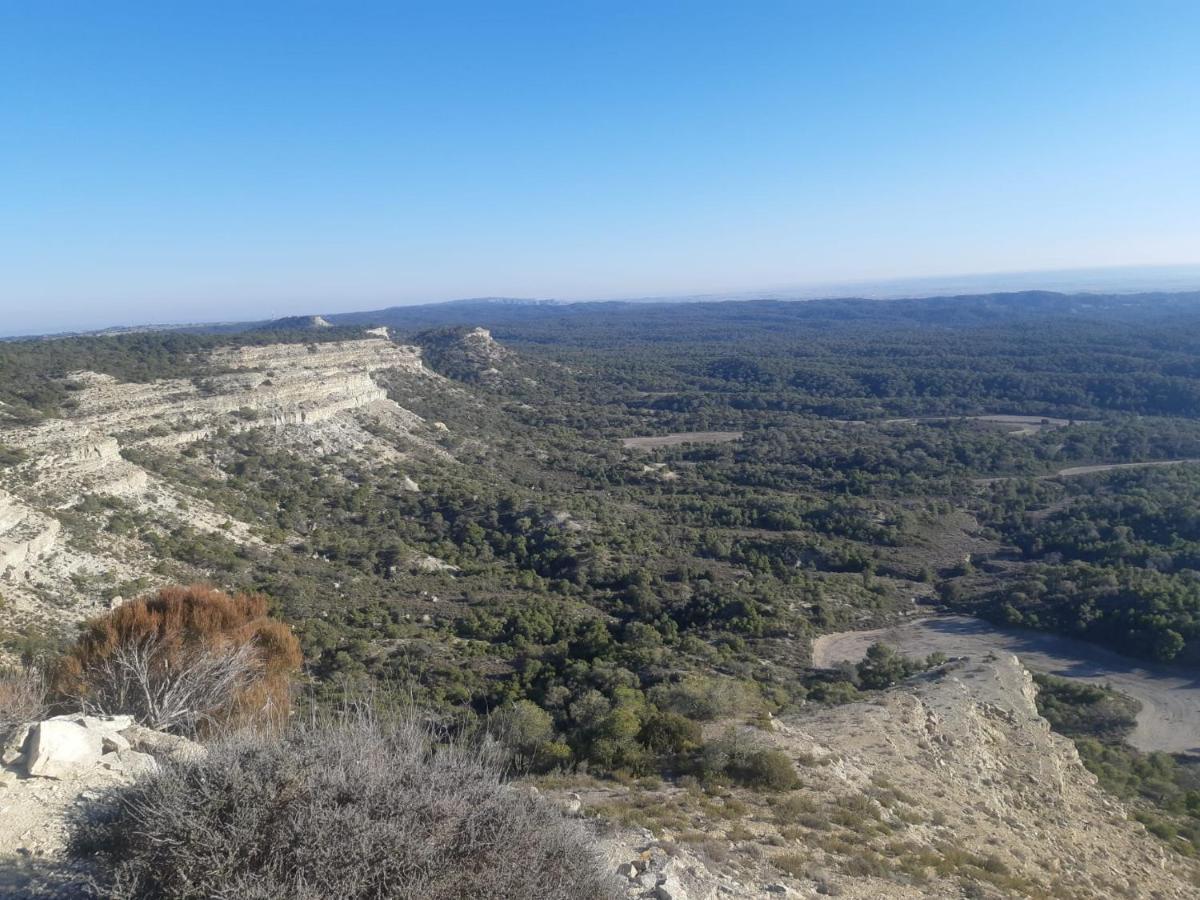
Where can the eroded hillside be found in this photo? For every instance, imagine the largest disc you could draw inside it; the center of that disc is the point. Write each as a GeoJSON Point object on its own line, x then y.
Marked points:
{"type": "Point", "coordinates": [948, 786]}
{"type": "Point", "coordinates": [325, 392]}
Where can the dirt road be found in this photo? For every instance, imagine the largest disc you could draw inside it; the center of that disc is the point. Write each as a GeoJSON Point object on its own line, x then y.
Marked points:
{"type": "Point", "coordinates": [1072, 471]}
{"type": "Point", "coordinates": [1020, 426]}
{"type": "Point", "coordinates": [1170, 697]}
{"type": "Point", "coordinates": [685, 437]}
{"type": "Point", "coordinates": [1088, 470]}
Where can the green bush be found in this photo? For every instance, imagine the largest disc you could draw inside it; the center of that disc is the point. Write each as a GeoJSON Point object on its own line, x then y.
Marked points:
{"type": "Point", "coordinates": [669, 733]}
{"type": "Point", "coordinates": [732, 757]}
{"type": "Point", "coordinates": [767, 769]}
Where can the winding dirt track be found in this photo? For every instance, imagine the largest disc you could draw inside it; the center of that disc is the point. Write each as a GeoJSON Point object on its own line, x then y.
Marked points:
{"type": "Point", "coordinates": [1072, 471]}
{"type": "Point", "coordinates": [1170, 697]}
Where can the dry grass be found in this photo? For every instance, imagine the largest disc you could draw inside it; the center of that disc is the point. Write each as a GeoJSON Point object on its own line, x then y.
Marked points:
{"type": "Point", "coordinates": [22, 697]}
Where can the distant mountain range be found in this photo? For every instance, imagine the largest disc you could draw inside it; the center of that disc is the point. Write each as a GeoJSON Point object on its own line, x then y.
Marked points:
{"type": "Point", "coordinates": [960, 310]}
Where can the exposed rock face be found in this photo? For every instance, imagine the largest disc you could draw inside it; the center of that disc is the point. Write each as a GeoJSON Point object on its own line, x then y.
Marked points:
{"type": "Point", "coordinates": [25, 535]}
{"type": "Point", "coordinates": [280, 386]}
{"type": "Point", "coordinates": [950, 787]}
{"type": "Point", "coordinates": [468, 354]}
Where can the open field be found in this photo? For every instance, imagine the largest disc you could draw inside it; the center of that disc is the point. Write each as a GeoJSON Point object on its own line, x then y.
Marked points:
{"type": "Point", "coordinates": [683, 437]}
{"type": "Point", "coordinates": [1170, 716]}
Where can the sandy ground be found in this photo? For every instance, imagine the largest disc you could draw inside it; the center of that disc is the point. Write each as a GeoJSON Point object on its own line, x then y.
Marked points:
{"type": "Point", "coordinates": [1170, 697]}
{"type": "Point", "coordinates": [685, 437]}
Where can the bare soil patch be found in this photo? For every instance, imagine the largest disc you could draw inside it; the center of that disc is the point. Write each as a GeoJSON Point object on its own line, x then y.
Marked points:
{"type": "Point", "coordinates": [1170, 716]}
{"type": "Point", "coordinates": [683, 437]}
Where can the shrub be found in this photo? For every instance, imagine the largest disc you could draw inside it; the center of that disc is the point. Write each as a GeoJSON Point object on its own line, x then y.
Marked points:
{"type": "Point", "coordinates": [705, 699]}
{"type": "Point", "coordinates": [768, 769]}
{"type": "Point", "coordinates": [733, 757]}
{"type": "Point", "coordinates": [348, 806]}
{"type": "Point", "coordinates": [668, 732]}
{"type": "Point", "coordinates": [883, 667]}
{"type": "Point", "coordinates": [526, 732]}
{"type": "Point", "coordinates": [184, 659]}
{"type": "Point", "coordinates": [22, 697]}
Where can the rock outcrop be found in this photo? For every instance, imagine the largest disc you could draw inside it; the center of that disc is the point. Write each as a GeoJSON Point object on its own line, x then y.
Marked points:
{"type": "Point", "coordinates": [949, 786]}
{"type": "Point", "coordinates": [468, 354]}
{"type": "Point", "coordinates": [90, 452]}
{"type": "Point", "coordinates": [52, 771]}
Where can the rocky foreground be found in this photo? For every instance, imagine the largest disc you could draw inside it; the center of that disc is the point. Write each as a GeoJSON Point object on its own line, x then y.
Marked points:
{"type": "Point", "coordinates": [949, 786]}
{"type": "Point", "coordinates": [52, 771]}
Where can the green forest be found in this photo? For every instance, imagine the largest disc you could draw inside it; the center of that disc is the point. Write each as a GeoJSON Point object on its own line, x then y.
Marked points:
{"type": "Point", "coordinates": [612, 597]}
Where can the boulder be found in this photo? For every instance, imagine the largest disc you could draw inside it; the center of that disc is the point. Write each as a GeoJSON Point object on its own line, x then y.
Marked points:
{"type": "Point", "coordinates": [105, 725]}
{"type": "Point", "coordinates": [131, 762]}
{"type": "Point", "coordinates": [59, 749]}
{"type": "Point", "coordinates": [13, 751]}
{"type": "Point", "coordinates": [115, 742]}
{"type": "Point", "coordinates": [161, 745]}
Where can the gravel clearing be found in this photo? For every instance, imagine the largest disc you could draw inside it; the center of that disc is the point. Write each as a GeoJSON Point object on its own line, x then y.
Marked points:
{"type": "Point", "coordinates": [1170, 696]}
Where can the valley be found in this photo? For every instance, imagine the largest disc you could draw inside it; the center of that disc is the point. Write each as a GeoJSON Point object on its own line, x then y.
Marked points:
{"type": "Point", "coordinates": [456, 513]}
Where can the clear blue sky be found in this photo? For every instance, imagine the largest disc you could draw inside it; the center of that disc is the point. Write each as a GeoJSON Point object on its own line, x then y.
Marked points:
{"type": "Point", "coordinates": [208, 160]}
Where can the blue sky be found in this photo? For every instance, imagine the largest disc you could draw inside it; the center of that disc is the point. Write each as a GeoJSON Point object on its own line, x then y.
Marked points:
{"type": "Point", "coordinates": [201, 161]}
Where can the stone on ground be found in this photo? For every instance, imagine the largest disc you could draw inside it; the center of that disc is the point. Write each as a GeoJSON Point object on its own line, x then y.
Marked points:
{"type": "Point", "coordinates": [57, 749]}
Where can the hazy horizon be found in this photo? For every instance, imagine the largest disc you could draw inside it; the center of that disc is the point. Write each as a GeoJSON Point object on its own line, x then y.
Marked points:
{"type": "Point", "coordinates": [1104, 280]}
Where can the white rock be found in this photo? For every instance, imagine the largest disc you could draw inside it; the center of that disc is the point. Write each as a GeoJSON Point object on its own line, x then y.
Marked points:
{"type": "Point", "coordinates": [647, 879]}
{"type": "Point", "coordinates": [160, 745]}
{"type": "Point", "coordinates": [105, 725]}
{"type": "Point", "coordinates": [58, 749]}
{"type": "Point", "coordinates": [13, 750]}
{"type": "Point", "coordinates": [114, 743]}
{"type": "Point", "coordinates": [136, 764]}
{"type": "Point", "coordinates": [671, 889]}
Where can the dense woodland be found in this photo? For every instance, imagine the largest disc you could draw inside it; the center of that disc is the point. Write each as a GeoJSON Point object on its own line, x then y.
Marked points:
{"type": "Point", "coordinates": [600, 602]}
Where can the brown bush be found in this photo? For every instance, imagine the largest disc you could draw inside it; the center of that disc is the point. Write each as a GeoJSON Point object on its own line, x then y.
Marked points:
{"type": "Point", "coordinates": [22, 698]}
{"type": "Point", "coordinates": [184, 659]}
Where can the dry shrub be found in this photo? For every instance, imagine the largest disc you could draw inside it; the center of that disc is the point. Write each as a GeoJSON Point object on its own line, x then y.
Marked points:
{"type": "Point", "coordinates": [347, 806]}
{"type": "Point", "coordinates": [184, 659]}
{"type": "Point", "coordinates": [22, 697]}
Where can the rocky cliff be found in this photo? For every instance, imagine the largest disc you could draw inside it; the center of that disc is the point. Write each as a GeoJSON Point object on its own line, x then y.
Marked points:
{"type": "Point", "coordinates": [86, 453]}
